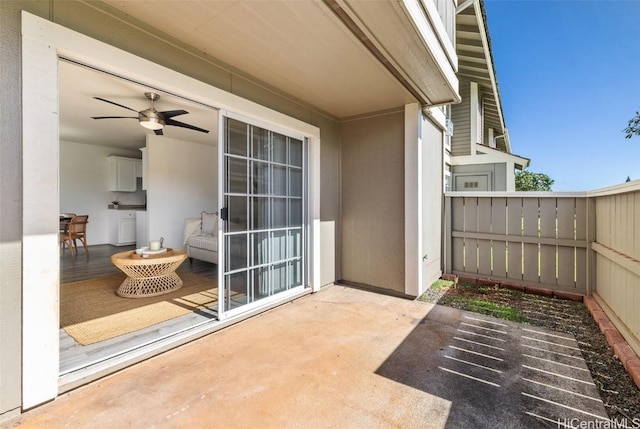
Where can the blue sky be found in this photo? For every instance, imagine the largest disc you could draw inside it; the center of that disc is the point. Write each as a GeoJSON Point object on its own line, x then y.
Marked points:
{"type": "Point", "coordinates": [569, 79]}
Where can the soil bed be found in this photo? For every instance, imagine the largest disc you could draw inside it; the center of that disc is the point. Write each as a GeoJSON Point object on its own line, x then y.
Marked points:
{"type": "Point", "coordinates": [619, 393]}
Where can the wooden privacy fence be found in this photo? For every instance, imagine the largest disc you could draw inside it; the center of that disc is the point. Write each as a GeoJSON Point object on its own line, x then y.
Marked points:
{"type": "Point", "coordinates": [587, 243]}
{"type": "Point", "coordinates": [617, 257]}
{"type": "Point", "coordinates": [523, 238]}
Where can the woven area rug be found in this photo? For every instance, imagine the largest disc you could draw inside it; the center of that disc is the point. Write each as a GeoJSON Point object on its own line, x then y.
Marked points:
{"type": "Point", "coordinates": [90, 310]}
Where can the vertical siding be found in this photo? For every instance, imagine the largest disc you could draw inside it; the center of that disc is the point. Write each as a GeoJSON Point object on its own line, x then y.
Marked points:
{"type": "Point", "coordinates": [461, 117]}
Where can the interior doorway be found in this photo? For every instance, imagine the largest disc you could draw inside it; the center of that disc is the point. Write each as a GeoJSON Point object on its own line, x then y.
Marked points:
{"type": "Point", "coordinates": [95, 324]}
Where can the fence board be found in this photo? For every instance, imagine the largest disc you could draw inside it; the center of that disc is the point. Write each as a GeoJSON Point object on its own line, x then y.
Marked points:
{"type": "Point", "coordinates": [530, 219]}
{"type": "Point", "coordinates": [499, 228]}
{"type": "Point", "coordinates": [484, 257]}
{"type": "Point", "coordinates": [548, 217]}
{"type": "Point", "coordinates": [636, 229]}
{"type": "Point", "coordinates": [531, 263]}
{"type": "Point", "coordinates": [457, 254]}
{"type": "Point", "coordinates": [484, 222]}
{"type": "Point", "coordinates": [457, 215]}
{"type": "Point", "coordinates": [604, 220]}
{"type": "Point", "coordinates": [548, 264]}
{"type": "Point", "coordinates": [499, 258]}
{"type": "Point", "coordinates": [471, 244]}
{"type": "Point", "coordinates": [514, 228]}
{"type": "Point", "coordinates": [471, 256]}
{"type": "Point", "coordinates": [514, 216]}
{"type": "Point", "coordinates": [514, 269]}
{"type": "Point", "coordinates": [484, 215]}
{"type": "Point", "coordinates": [566, 264]}
{"type": "Point", "coordinates": [470, 215]}
{"type": "Point", "coordinates": [567, 218]}
{"type": "Point", "coordinates": [581, 269]}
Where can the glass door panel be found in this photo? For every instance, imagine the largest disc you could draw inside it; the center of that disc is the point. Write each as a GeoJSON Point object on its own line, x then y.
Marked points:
{"type": "Point", "coordinates": [263, 232]}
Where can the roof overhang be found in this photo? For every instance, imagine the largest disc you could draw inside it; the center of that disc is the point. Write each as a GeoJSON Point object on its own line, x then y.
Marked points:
{"type": "Point", "coordinates": [488, 155]}
{"type": "Point", "coordinates": [343, 57]}
{"type": "Point", "coordinates": [475, 62]}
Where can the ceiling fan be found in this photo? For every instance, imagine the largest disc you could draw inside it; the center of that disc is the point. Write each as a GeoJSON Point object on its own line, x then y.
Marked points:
{"type": "Point", "coordinates": [151, 118]}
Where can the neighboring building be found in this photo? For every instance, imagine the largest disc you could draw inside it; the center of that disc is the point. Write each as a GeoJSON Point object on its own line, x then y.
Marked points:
{"type": "Point", "coordinates": [480, 157]}
{"type": "Point", "coordinates": [349, 82]}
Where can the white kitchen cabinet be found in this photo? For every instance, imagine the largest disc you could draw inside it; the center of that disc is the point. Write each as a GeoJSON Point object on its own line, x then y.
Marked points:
{"type": "Point", "coordinates": [144, 165]}
{"type": "Point", "coordinates": [122, 227]}
{"type": "Point", "coordinates": [139, 168]}
{"type": "Point", "coordinates": [123, 173]}
{"type": "Point", "coordinates": [142, 233]}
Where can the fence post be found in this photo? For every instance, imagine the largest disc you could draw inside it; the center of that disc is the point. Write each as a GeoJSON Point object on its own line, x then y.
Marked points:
{"type": "Point", "coordinates": [591, 237]}
{"type": "Point", "coordinates": [447, 235]}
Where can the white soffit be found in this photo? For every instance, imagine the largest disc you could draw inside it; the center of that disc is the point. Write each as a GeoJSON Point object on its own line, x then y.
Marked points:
{"type": "Point", "coordinates": [299, 47]}
{"type": "Point", "coordinates": [475, 62]}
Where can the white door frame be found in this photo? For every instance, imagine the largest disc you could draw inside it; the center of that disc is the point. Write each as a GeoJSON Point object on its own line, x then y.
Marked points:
{"type": "Point", "coordinates": [43, 44]}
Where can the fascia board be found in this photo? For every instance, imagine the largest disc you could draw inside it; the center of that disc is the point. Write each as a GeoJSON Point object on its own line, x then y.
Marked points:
{"type": "Point", "coordinates": [487, 53]}
{"type": "Point", "coordinates": [489, 158]}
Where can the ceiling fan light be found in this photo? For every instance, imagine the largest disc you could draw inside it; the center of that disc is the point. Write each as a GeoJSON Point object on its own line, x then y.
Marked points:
{"type": "Point", "coordinates": [151, 120]}
{"type": "Point", "coordinates": [152, 124]}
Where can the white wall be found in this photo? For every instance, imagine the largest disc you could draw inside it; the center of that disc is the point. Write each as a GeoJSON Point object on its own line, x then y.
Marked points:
{"type": "Point", "coordinates": [432, 152]}
{"type": "Point", "coordinates": [84, 185]}
{"type": "Point", "coordinates": [182, 182]}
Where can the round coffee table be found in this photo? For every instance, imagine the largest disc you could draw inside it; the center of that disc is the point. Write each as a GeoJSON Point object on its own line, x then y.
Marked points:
{"type": "Point", "coordinates": [149, 276]}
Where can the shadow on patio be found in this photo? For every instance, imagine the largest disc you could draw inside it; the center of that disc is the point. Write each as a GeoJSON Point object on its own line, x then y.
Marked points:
{"type": "Point", "coordinates": [344, 358]}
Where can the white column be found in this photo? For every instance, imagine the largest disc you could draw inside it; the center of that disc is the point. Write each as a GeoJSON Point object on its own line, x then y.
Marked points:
{"type": "Point", "coordinates": [412, 199]}
{"type": "Point", "coordinates": [511, 177]}
{"type": "Point", "coordinates": [474, 116]}
{"type": "Point", "coordinates": [40, 257]}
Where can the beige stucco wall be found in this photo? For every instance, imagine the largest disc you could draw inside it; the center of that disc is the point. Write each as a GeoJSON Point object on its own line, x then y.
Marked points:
{"type": "Point", "coordinates": [121, 31]}
{"type": "Point", "coordinates": [373, 201]}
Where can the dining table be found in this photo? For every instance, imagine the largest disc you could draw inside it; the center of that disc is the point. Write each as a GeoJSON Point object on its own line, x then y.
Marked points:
{"type": "Point", "coordinates": [65, 218]}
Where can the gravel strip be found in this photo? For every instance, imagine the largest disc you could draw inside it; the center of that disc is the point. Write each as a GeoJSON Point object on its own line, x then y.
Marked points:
{"type": "Point", "coordinates": [619, 393]}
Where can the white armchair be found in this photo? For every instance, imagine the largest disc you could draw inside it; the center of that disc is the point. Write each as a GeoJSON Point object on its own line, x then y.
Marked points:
{"type": "Point", "coordinates": [201, 237]}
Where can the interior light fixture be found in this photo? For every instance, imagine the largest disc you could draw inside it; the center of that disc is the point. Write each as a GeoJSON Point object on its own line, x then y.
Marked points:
{"type": "Point", "coordinates": [151, 119]}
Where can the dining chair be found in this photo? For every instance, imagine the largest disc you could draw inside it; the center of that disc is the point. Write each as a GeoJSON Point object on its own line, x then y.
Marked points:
{"type": "Point", "coordinates": [76, 230]}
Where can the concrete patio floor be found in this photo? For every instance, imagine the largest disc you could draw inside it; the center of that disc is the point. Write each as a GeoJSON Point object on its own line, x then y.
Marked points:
{"type": "Point", "coordinates": [342, 358]}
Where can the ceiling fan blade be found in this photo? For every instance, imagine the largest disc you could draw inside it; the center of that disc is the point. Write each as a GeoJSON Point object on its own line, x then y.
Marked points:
{"type": "Point", "coordinates": [115, 104]}
{"type": "Point", "coordinates": [114, 117]}
{"type": "Point", "coordinates": [183, 125]}
{"type": "Point", "coordinates": [158, 132]}
{"type": "Point", "coordinates": [171, 113]}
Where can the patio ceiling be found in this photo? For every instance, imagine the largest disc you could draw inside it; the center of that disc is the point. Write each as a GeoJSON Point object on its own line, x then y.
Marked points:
{"type": "Point", "coordinates": [346, 58]}
{"type": "Point", "coordinates": [318, 52]}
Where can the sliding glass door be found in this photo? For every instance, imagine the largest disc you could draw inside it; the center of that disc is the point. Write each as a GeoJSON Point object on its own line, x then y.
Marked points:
{"type": "Point", "coordinates": [263, 228]}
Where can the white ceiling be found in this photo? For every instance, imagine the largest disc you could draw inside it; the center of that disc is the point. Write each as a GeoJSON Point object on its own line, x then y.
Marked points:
{"type": "Point", "coordinates": [77, 87]}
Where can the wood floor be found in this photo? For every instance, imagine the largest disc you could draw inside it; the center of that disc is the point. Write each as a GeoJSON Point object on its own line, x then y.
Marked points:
{"type": "Point", "coordinates": [74, 356]}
